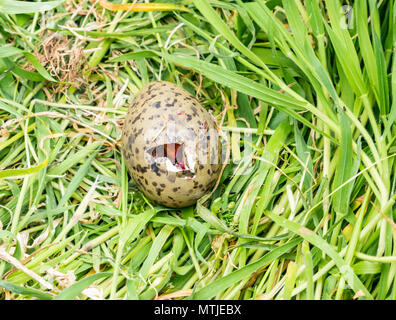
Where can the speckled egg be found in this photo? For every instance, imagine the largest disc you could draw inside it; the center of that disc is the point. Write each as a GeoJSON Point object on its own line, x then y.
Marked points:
{"type": "Point", "coordinates": [171, 145]}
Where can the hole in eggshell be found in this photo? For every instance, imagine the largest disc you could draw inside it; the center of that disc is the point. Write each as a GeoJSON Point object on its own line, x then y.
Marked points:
{"type": "Point", "coordinates": [174, 153]}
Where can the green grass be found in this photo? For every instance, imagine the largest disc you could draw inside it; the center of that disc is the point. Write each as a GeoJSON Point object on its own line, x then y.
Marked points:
{"type": "Point", "coordinates": [309, 214]}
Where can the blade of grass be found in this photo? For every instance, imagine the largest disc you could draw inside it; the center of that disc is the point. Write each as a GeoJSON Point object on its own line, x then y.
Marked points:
{"type": "Point", "coordinates": [18, 7]}
{"type": "Point", "coordinates": [75, 289]}
{"type": "Point", "coordinates": [30, 292]}
{"type": "Point", "coordinates": [142, 7]}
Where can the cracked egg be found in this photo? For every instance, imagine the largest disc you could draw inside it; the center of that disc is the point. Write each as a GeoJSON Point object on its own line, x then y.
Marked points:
{"type": "Point", "coordinates": [171, 145]}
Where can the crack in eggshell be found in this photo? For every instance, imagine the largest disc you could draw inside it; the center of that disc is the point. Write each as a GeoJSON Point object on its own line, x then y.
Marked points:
{"type": "Point", "coordinates": [174, 161]}
{"type": "Point", "coordinates": [167, 140]}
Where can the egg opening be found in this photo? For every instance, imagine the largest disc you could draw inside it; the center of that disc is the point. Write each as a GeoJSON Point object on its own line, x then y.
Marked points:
{"type": "Point", "coordinates": [176, 160]}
